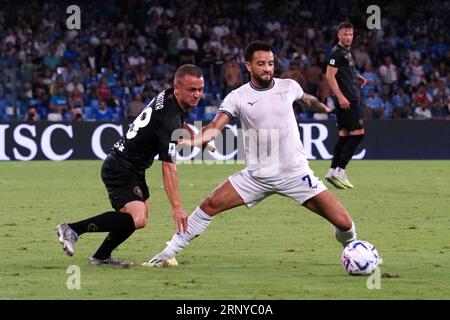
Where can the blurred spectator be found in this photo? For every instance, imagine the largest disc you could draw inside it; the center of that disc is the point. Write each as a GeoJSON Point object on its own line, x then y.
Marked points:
{"type": "Point", "coordinates": [31, 115]}
{"type": "Point", "coordinates": [441, 96]}
{"type": "Point", "coordinates": [312, 74]}
{"type": "Point", "coordinates": [231, 75]}
{"type": "Point", "coordinates": [422, 103]}
{"type": "Point", "coordinates": [134, 108]}
{"type": "Point", "coordinates": [401, 104]}
{"type": "Point", "coordinates": [187, 43]}
{"type": "Point", "coordinates": [75, 93]}
{"type": "Point", "coordinates": [103, 90]}
{"type": "Point", "coordinates": [361, 56]}
{"type": "Point", "coordinates": [58, 106]}
{"type": "Point", "coordinates": [103, 113]}
{"type": "Point", "coordinates": [389, 75]}
{"type": "Point", "coordinates": [374, 107]}
{"type": "Point", "coordinates": [415, 73]}
{"type": "Point", "coordinates": [143, 50]}
{"type": "Point", "coordinates": [68, 73]}
{"type": "Point", "coordinates": [372, 81]}
{"type": "Point", "coordinates": [294, 72]}
{"type": "Point", "coordinates": [387, 106]}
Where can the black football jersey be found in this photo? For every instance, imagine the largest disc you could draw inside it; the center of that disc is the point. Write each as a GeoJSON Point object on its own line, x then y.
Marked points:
{"type": "Point", "coordinates": [150, 134]}
{"type": "Point", "coordinates": [342, 59]}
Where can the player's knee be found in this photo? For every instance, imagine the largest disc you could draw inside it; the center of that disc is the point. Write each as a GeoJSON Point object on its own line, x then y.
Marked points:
{"type": "Point", "coordinates": [345, 223]}
{"type": "Point", "coordinates": [211, 205]}
{"type": "Point", "coordinates": [140, 221]}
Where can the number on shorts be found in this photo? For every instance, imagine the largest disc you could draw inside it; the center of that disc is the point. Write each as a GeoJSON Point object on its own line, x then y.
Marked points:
{"type": "Point", "coordinates": [307, 177]}
{"type": "Point", "coordinates": [140, 122]}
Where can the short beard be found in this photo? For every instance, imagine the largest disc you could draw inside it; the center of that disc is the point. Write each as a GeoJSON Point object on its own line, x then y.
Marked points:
{"type": "Point", "coordinates": [262, 82]}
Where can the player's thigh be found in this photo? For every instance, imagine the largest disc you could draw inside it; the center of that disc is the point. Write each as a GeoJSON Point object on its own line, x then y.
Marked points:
{"type": "Point", "coordinates": [222, 198]}
{"type": "Point", "coordinates": [251, 190]}
{"type": "Point", "coordinates": [328, 206]}
{"type": "Point", "coordinates": [128, 192]}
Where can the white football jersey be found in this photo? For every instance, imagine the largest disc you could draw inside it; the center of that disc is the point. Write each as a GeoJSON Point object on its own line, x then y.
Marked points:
{"type": "Point", "coordinates": [271, 135]}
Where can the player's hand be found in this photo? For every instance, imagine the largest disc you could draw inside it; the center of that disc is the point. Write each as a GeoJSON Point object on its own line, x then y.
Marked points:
{"type": "Point", "coordinates": [327, 109]}
{"type": "Point", "coordinates": [344, 103]}
{"type": "Point", "coordinates": [180, 218]}
{"type": "Point", "coordinates": [185, 142]}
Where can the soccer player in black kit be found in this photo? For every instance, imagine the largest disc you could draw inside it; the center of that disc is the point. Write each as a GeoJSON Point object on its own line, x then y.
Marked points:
{"type": "Point", "coordinates": [123, 171]}
{"type": "Point", "coordinates": [345, 82]}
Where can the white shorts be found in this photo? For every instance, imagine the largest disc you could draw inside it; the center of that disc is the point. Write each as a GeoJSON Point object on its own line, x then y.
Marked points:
{"type": "Point", "coordinates": [299, 187]}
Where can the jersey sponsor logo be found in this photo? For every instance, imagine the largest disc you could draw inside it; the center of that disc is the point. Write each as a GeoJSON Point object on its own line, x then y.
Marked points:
{"type": "Point", "coordinates": [252, 103]}
{"type": "Point", "coordinates": [332, 62]}
{"type": "Point", "coordinates": [282, 94]}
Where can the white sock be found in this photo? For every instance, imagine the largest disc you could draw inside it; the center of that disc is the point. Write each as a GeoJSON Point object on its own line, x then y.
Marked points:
{"type": "Point", "coordinates": [330, 173]}
{"type": "Point", "coordinates": [198, 221]}
{"type": "Point", "coordinates": [345, 237]}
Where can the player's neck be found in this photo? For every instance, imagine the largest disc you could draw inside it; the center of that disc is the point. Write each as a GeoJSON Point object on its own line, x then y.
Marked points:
{"type": "Point", "coordinates": [180, 105]}
{"type": "Point", "coordinates": [344, 46]}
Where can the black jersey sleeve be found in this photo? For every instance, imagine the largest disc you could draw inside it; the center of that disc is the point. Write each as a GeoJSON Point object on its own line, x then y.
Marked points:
{"type": "Point", "coordinates": [167, 151]}
{"type": "Point", "coordinates": [336, 59]}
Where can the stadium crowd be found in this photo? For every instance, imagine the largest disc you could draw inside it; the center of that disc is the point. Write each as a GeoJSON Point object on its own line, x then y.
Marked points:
{"type": "Point", "coordinates": [127, 51]}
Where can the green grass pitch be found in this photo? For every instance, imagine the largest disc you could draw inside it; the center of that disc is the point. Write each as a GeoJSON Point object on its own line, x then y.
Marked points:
{"type": "Point", "coordinates": [277, 250]}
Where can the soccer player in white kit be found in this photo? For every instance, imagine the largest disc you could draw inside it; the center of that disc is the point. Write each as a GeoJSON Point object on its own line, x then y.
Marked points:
{"type": "Point", "coordinates": [275, 158]}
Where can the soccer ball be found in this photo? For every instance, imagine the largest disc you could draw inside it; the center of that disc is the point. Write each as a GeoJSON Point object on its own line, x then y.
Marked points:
{"type": "Point", "coordinates": [360, 258]}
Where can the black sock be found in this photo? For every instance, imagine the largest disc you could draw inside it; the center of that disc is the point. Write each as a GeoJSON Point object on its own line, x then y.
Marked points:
{"type": "Point", "coordinates": [348, 150]}
{"type": "Point", "coordinates": [337, 152]}
{"type": "Point", "coordinates": [111, 221]}
{"type": "Point", "coordinates": [112, 241]}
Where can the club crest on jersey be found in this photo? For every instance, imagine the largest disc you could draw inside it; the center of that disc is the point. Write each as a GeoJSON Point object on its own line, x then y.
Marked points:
{"type": "Point", "coordinates": [137, 191]}
{"type": "Point", "coordinates": [349, 58]}
{"type": "Point", "coordinates": [282, 94]}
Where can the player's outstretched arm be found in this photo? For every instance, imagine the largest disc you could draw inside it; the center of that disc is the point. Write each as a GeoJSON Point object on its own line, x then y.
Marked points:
{"type": "Point", "coordinates": [208, 146]}
{"type": "Point", "coordinates": [211, 130]}
{"type": "Point", "coordinates": [170, 180]}
{"type": "Point", "coordinates": [313, 104]}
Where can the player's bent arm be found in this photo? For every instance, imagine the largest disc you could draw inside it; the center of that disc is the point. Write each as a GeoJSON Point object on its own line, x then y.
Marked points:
{"type": "Point", "coordinates": [170, 181]}
{"type": "Point", "coordinates": [331, 80]}
{"type": "Point", "coordinates": [313, 104]}
{"type": "Point", "coordinates": [212, 129]}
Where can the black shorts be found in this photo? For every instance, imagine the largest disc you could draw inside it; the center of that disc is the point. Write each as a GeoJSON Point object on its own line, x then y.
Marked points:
{"type": "Point", "coordinates": [123, 185]}
{"type": "Point", "coordinates": [350, 119]}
